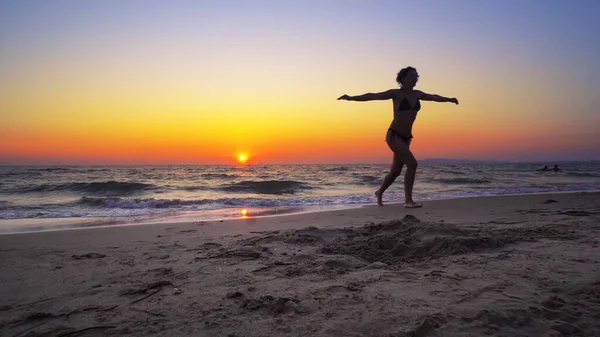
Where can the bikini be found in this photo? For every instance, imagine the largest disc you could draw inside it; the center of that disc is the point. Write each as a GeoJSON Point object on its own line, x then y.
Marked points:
{"type": "Point", "coordinates": [405, 105]}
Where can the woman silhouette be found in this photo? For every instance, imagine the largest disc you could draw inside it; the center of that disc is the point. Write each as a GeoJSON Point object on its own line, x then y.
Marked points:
{"type": "Point", "coordinates": [399, 135]}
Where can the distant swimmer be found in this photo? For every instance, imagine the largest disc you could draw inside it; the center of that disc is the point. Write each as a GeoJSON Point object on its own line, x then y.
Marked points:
{"type": "Point", "coordinates": [407, 104]}
{"type": "Point", "coordinates": [546, 169]}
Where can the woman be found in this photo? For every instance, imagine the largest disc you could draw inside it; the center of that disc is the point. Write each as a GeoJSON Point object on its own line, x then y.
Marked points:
{"type": "Point", "coordinates": [406, 106]}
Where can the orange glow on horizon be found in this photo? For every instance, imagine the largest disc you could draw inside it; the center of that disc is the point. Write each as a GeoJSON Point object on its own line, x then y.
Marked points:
{"type": "Point", "coordinates": [242, 158]}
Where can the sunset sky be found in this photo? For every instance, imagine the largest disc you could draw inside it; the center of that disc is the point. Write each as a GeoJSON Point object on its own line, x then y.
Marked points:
{"type": "Point", "coordinates": [199, 82]}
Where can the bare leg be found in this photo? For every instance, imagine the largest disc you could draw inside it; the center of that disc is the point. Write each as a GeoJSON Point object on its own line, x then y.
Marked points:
{"type": "Point", "coordinates": [395, 172]}
{"type": "Point", "coordinates": [387, 181]}
{"type": "Point", "coordinates": [402, 151]}
{"type": "Point", "coordinates": [409, 181]}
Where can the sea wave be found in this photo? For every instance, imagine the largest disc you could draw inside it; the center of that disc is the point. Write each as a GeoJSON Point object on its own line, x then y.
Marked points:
{"type": "Point", "coordinates": [336, 169]}
{"type": "Point", "coordinates": [50, 169]}
{"type": "Point", "coordinates": [218, 176]}
{"type": "Point", "coordinates": [447, 171]}
{"type": "Point", "coordinates": [10, 174]}
{"type": "Point", "coordinates": [368, 180]}
{"type": "Point", "coordinates": [460, 181]}
{"type": "Point", "coordinates": [267, 187]}
{"type": "Point", "coordinates": [109, 202]}
{"type": "Point", "coordinates": [101, 187]}
{"type": "Point", "coordinates": [113, 206]}
{"type": "Point", "coordinates": [584, 174]}
{"type": "Point", "coordinates": [149, 203]}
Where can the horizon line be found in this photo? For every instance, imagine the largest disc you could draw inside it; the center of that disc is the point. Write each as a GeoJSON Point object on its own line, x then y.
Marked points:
{"type": "Point", "coordinates": [483, 161]}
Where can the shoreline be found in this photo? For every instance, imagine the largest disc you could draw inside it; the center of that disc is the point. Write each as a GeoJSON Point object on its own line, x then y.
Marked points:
{"type": "Point", "coordinates": [446, 210]}
{"type": "Point", "coordinates": [523, 265]}
{"type": "Point", "coordinates": [175, 217]}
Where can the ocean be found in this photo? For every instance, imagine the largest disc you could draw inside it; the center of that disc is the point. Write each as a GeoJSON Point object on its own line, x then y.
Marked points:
{"type": "Point", "coordinates": [214, 192]}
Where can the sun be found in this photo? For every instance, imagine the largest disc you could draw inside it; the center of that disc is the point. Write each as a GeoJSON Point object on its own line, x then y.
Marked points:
{"type": "Point", "coordinates": [242, 158]}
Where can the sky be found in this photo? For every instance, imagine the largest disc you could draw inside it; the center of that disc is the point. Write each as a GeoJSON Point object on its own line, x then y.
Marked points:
{"type": "Point", "coordinates": [199, 82]}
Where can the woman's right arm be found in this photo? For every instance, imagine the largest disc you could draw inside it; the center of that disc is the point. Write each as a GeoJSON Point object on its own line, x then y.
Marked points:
{"type": "Point", "coordinates": [371, 96]}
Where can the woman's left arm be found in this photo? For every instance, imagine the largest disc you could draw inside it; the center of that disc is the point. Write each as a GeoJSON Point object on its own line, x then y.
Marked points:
{"type": "Point", "coordinates": [434, 98]}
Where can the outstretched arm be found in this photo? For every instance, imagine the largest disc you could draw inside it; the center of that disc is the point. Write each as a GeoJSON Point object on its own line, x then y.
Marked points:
{"type": "Point", "coordinates": [371, 96]}
{"type": "Point", "coordinates": [435, 98]}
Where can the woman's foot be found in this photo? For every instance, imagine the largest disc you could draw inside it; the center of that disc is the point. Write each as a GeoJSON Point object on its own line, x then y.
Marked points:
{"type": "Point", "coordinates": [379, 196]}
{"type": "Point", "coordinates": [412, 204]}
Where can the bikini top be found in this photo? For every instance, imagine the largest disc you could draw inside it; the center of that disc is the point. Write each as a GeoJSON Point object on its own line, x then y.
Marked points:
{"type": "Point", "coordinates": [405, 105]}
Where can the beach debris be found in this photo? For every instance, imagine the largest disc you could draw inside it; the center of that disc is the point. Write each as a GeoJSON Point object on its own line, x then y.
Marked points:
{"type": "Point", "coordinates": [577, 213]}
{"type": "Point", "coordinates": [234, 294]}
{"type": "Point", "coordinates": [550, 201]}
{"type": "Point", "coordinates": [88, 256]}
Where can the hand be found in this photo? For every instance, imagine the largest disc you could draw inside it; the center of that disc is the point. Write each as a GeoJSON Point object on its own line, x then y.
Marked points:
{"type": "Point", "coordinates": [454, 100]}
{"type": "Point", "coordinates": [344, 97]}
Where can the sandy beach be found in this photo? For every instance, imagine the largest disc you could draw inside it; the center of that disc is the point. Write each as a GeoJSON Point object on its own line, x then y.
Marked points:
{"type": "Point", "coordinates": [522, 265]}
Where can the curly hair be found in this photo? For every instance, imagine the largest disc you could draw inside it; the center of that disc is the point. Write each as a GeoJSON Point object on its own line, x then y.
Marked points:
{"type": "Point", "coordinates": [402, 74]}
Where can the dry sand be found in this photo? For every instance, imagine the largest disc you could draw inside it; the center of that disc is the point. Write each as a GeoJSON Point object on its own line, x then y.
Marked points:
{"type": "Point", "coordinates": [498, 266]}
